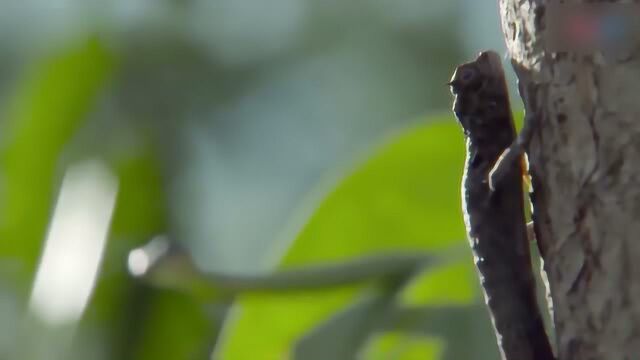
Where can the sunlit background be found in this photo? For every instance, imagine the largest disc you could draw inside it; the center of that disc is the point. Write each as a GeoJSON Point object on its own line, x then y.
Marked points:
{"type": "Point", "coordinates": [248, 131]}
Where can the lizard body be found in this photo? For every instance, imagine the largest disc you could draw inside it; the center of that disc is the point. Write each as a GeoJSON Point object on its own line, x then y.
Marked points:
{"type": "Point", "coordinates": [494, 213]}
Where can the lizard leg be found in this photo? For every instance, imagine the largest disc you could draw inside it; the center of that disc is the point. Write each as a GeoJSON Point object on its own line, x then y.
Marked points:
{"type": "Point", "coordinates": [514, 152]}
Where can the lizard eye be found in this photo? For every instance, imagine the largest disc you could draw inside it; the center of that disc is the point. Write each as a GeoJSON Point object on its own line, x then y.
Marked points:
{"type": "Point", "coordinates": [467, 74]}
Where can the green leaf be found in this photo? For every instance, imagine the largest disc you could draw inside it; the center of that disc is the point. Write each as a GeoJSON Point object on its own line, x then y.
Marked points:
{"type": "Point", "coordinates": [174, 326]}
{"type": "Point", "coordinates": [455, 283]}
{"type": "Point", "coordinates": [50, 103]}
{"type": "Point", "coordinates": [141, 208]}
{"type": "Point", "coordinates": [277, 322]}
{"type": "Point", "coordinates": [399, 346]}
{"type": "Point", "coordinates": [342, 335]}
{"type": "Point", "coordinates": [466, 330]}
{"type": "Point", "coordinates": [406, 197]}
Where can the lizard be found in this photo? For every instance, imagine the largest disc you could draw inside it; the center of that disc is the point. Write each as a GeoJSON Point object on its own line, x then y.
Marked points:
{"type": "Point", "coordinates": [493, 207]}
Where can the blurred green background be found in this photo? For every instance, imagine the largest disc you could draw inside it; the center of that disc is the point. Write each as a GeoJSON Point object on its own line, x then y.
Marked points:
{"type": "Point", "coordinates": [261, 136]}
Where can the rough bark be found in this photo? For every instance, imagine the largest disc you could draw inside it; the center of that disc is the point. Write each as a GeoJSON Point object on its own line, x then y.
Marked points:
{"type": "Point", "coordinates": [586, 186]}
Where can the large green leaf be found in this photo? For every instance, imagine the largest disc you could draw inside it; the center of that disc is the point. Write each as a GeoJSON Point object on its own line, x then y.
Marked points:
{"type": "Point", "coordinates": [347, 331]}
{"type": "Point", "coordinates": [398, 346]}
{"type": "Point", "coordinates": [49, 104]}
{"type": "Point", "coordinates": [406, 197]}
{"type": "Point", "coordinates": [454, 283]}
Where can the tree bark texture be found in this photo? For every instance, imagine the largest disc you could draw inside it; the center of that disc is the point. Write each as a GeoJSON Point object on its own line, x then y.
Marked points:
{"type": "Point", "coordinates": [585, 166]}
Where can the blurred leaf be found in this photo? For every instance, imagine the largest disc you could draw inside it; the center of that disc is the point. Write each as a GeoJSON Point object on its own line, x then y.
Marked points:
{"type": "Point", "coordinates": [346, 331]}
{"type": "Point", "coordinates": [175, 327]}
{"type": "Point", "coordinates": [396, 346]}
{"type": "Point", "coordinates": [340, 337]}
{"type": "Point", "coordinates": [119, 304]}
{"type": "Point", "coordinates": [141, 207]}
{"type": "Point", "coordinates": [427, 320]}
{"type": "Point", "coordinates": [344, 334]}
{"type": "Point", "coordinates": [273, 340]}
{"type": "Point", "coordinates": [406, 197]}
{"type": "Point", "coordinates": [466, 330]}
{"type": "Point", "coordinates": [50, 103]}
{"type": "Point", "coordinates": [455, 283]}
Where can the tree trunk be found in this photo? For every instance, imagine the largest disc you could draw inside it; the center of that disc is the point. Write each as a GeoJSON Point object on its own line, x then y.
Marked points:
{"type": "Point", "coordinates": [586, 186]}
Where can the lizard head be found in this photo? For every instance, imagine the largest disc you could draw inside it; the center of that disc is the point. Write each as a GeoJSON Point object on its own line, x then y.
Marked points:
{"type": "Point", "coordinates": [472, 76]}
{"type": "Point", "coordinates": [481, 102]}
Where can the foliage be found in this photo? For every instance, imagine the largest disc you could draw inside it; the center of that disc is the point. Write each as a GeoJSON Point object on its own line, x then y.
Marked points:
{"type": "Point", "coordinates": [378, 270]}
{"type": "Point", "coordinates": [413, 179]}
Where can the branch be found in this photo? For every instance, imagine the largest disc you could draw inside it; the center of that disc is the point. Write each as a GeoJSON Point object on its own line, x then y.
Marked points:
{"type": "Point", "coordinates": [165, 264]}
